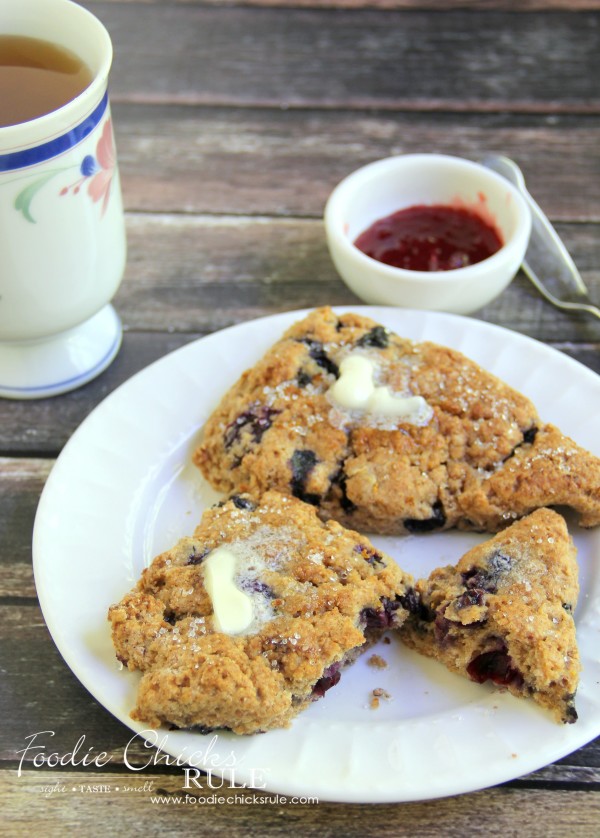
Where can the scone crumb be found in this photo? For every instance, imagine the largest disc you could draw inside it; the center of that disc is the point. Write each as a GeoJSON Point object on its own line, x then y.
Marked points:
{"type": "Point", "coordinates": [377, 694]}
{"type": "Point", "coordinates": [377, 661]}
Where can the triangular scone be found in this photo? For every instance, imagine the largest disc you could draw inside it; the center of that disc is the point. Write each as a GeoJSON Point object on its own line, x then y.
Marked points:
{"type": "Point", "coordinates": [469, 451]}
{"type": "Point", "coordinates": [311, 596]}
{"type": "Point", "coordinates": [505, 613]}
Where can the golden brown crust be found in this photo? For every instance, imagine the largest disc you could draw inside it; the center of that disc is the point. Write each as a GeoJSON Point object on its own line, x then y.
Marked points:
{"type": "Point", "coordinates": [483, 460]}
{"type": "Point", "coordinates": [505, 612]}
{"type": "Point", "coordinates": [320, 595]}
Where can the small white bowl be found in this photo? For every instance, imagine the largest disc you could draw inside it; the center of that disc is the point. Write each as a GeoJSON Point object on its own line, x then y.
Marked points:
{"type": "Point", "coordinates": [381, 188]}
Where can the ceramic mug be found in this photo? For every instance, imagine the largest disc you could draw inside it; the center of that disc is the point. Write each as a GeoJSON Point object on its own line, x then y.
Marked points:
{"type": "Point", "coordinates": [62, 230]}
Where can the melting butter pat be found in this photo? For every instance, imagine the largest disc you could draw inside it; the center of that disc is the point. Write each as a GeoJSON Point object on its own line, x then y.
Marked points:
{"type": "Point", "coordinates": [356, 390]}
{"type": "Point", "coordinates": [354, 387]}
{"type": "Point", "coordinates": [383, 402]}
{"type": "Point", "coordinates": [233, 611]}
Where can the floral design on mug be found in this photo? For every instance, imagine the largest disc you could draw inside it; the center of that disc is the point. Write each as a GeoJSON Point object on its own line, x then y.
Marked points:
{"type": "Point", "coordinates": [97, 170]}
{"type": "Point", "coordinates": [26, 196]}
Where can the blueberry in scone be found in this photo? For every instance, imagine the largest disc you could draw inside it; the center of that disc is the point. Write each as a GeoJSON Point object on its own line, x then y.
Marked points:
{"type": "Point", "coordinates": [246, 623]}
{"type": "Point", "coordinates": [390, 436]}
{"type": "Point", "coordinates": [504, 613]}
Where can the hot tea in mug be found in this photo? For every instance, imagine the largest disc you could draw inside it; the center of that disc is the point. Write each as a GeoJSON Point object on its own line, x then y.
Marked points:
{"type": "Point", "coordinates": [37, 77]}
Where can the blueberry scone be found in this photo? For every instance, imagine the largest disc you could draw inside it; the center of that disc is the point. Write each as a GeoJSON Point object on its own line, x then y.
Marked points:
{"type": "Point", "coordinates": [504, 613]}
{"type": "Point", "coordinates": [390, 436]}
{"type": "Point", "coordinates": [247, 622]}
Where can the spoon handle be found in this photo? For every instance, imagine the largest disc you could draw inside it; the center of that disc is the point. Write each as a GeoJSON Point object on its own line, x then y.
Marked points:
{"type": "Point", "coordinates": [546, 254]}
{"type": "Point", "coordinates": [564, 304]}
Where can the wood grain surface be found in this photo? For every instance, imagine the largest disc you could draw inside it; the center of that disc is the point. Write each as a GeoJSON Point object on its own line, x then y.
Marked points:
{"type": "Point", "coordinates": [234, 120]}
{"type": "Point", "coordinates": [572, 812]}
{"type": "Point", "coordinates": [409, 59]}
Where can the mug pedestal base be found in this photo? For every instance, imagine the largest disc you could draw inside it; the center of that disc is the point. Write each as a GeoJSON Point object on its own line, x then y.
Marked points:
{"type": "Point", "coordinates": [63, 362]}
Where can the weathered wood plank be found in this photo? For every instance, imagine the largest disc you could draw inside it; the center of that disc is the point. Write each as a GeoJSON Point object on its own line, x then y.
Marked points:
{"type": "Point", "coordinates": [161, 807]}
{"type": "Point", "coordinates": [205, 273]}
{"type": "Point", "coordinates": [270, 162]}
{"type": "Point", "coordinates": [40, 693]}
{"type": "Point", "coordinates": [184, 277]}
{"type": "Point", "coordinates": [434, 5]}
{"type": "Point", "coordinates": [43, 426]}
{"type": "Point", "coordinates": [201, 273]}
{"type": "Point", "coordinates": [21, 483]}
{"type": "Point", "coordinates": [396, 59]}
{"type": "Point", "coordinates": [40, 428]}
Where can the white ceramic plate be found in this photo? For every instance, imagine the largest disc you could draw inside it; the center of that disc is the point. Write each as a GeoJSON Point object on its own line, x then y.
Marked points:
{"type": "Point", "coordinates": [123, 490]}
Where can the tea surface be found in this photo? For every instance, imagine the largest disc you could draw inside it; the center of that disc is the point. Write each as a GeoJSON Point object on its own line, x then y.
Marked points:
{"type": "Point", "coordinates": [37, 77]}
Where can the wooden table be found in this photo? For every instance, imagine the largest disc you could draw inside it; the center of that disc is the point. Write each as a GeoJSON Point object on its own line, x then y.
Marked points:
{"type": "Point", "coordinates": [234, 121]}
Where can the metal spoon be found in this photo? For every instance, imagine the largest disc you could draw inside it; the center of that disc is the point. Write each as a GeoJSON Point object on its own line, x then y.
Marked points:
{"type": "Point", "coordinates": [547, 262]}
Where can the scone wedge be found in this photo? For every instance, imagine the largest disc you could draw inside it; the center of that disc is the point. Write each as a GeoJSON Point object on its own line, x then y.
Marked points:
{"type": "Point", "coordinates": [246, 623]}
{"type": "Point", "coordinates": [431, 441]}
{"type": "Point", "coordinates": [504, 614]}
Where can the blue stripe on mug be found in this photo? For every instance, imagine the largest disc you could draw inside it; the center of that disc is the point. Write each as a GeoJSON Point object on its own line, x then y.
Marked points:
{"type": "Point", "coordinates": [38, 154]}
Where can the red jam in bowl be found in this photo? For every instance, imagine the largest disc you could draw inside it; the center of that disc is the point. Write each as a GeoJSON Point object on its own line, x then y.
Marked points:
{"type": "Point", "coordinates": [430, 238]}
